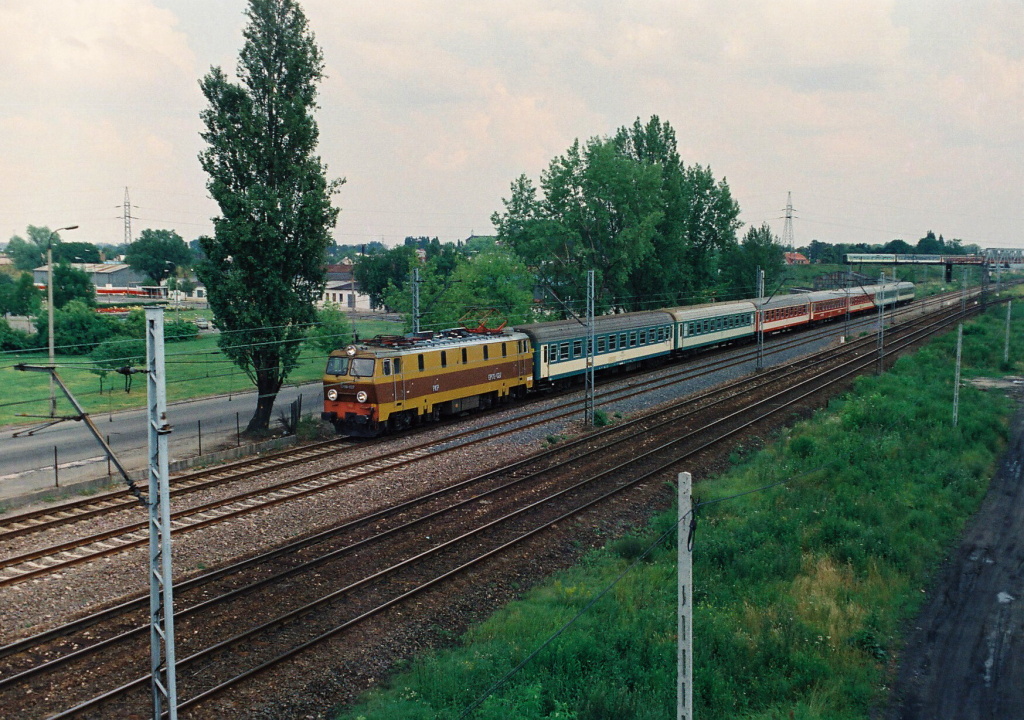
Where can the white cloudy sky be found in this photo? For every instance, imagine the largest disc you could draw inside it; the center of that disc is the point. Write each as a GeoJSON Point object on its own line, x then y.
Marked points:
{"type": "Point", "coordinates": [885, 119]}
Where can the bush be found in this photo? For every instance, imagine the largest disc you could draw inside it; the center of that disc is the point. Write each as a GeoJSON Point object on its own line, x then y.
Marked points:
{"type": "Point", "coordinates": [11, 339]}
{"type": "Point", "coordinates": [77, 328]}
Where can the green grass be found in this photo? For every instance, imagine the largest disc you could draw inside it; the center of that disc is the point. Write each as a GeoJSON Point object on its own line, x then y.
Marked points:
{"type": "Point", "coordinates": [195, 368]}
{"type": "Point", "coordinates": [801, 590]}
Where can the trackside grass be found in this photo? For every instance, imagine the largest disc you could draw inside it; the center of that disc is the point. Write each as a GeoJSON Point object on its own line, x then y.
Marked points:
{"type": "Point", "coordinates": [800, 590]}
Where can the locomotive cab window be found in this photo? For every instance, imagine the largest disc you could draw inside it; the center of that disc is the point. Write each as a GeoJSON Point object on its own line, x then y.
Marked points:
{"type": "Point", "coordinates": [361, 367]}
{"type": "Point", "coordinates": [398, 366]}
{"type": "Point", "coordinates": [386, 366]}
{"type": "Point", "coordinates": [337, 365]}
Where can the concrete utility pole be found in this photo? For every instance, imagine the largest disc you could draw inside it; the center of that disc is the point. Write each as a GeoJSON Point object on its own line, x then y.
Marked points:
{"type": "Point", "coordinates": [760, 319]}
{"type": "Point", "coordinates": [849, 302]}
{"type": "Point", "coordinates": [1006, 344]}
{"type": "Point", "coordinates": [956, 380]}
{"type": "Point", "coordinates": [416, 300]}
{"type": "Point", "coordinates": [880, 296]}
{"type": "Point", "coordinates": [161, 581]}
{"type": "Point", "coordinates": [589, 406]}
{"type": "Point", "coordinates": [684, 660]}
{"type": "Point", "coordinates": [963, 291]}
{"type": "Point", "coordinates": [49, 308]}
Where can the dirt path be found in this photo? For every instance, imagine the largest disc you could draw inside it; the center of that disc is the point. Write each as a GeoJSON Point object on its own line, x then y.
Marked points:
{"type": "Point", "coordinates": [965, 656]}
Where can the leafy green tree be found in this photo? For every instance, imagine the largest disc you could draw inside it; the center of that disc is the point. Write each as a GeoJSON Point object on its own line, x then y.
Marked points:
{"type": "Point", "coordinates": [158, 253]}
{"type": "Point", "coordinates": [6, 294]}
{"type": "Point", "coordinates": [77, 328]}
{"type": "Point", "coordinates": [820, 252]}
{"type": "Point", "coordinates": [72, 252]}
{"type": "Point", "coordinates": [28, 254]}
{"type": "Point", "coordinates": [494, 283]}
{"type": "Point", "coordinates": [18, 296]}
{"type": "Point", "coordinates": [759, 249]}
{"type": "Point", "coordinates": [11, 339]}
{"type": "Point", "coordinates": [265, 266]}
{"type": "Point", "coordinates": [652, 229]}
{"type": "Point", "coordinates": [332, 330]}
{"type": "Point", "coordinates": [898, 247]}
{"type": "Point", "coordinates": [25, 299]}
{"type": "Point", "coordinates": [382, 269]}
{"type": "Point", "coordinates": [930, 245]}
{"type": "Point", "coordinates": [599, 211]}
{"type": "Point", "coordinates": [72, 284]}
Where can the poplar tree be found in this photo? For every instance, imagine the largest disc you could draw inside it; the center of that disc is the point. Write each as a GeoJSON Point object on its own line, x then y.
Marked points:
{"type": "Point", "coordinates": [265, 266]}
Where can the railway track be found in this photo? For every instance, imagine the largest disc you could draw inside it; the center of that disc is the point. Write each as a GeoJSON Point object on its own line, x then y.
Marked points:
{"type": "Point", "coordinates": [38, 562]}
{"type": "Point", "coordinates": [470, 524]}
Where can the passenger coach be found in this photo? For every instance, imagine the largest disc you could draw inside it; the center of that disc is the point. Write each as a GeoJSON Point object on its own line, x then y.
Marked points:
{"type": "Point", "coordinates": [560, 347]}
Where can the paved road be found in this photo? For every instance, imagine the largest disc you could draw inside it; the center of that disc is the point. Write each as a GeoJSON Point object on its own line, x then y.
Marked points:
{"type": "Point", "coordinates": [27, 464]}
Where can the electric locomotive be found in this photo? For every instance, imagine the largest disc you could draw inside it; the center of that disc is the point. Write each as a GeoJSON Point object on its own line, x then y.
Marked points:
{"type": "Point", "coordinates": [393, 382]}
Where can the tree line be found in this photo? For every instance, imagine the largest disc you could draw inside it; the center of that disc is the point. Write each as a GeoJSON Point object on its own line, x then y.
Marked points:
{"type": "Point", "coordinates": [655, 230]}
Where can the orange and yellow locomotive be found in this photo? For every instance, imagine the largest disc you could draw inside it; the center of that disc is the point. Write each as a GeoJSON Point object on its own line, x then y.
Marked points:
{"type": "Point", "coordinates": [393, 382]}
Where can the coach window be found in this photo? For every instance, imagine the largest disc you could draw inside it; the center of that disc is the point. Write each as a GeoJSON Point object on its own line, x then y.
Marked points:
{"type": "Point", "coordinates": [420, 360]}
{"type": "Point", "coordinates": [444, 358]}
{"type": "Point", "coordinates": [563, 351]}
{"type": "Point", "coordinates": [386, 365]}
{"type": "Point", "coordinates": [611, 342]}
{"type": "Point", "coordinates": [632, 339]}
{"type": "Point", "coordinates": [600, 345]}
{"type": "Point", "coordinates": [544, 353]}
{"type": "Point", "coordinates": [643, 337]}
{"type": "Point", "coordinates": [577, 348]}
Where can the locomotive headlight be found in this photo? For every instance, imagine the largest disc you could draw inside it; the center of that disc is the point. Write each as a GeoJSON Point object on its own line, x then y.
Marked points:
{"type": "Point", "coordinates": [361, 396]}
{"type": "Point", "coordinates": [332, 394]}
{"type": "Point", "coordinates": [350, 350]}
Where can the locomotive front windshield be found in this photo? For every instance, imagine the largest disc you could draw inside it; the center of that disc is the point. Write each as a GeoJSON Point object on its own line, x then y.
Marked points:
{"type": "Point", "coordinates": [336, 365]}
{"type": "Point", "coordinates": [356, 367]}
{"type": "Point", "coordinates": [361, 367]}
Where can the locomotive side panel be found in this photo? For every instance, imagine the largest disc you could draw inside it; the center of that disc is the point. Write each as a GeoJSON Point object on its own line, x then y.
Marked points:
{"type": "Point", "coordinates": [369, 388]}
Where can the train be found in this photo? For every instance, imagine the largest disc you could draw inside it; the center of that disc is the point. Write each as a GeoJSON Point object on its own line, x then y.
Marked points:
{"type": "Point", "coordinates": [393, 382]}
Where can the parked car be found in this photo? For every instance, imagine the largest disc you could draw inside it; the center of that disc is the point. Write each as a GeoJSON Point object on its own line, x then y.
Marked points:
{"type": "Point", "coordinates": [202, 323]}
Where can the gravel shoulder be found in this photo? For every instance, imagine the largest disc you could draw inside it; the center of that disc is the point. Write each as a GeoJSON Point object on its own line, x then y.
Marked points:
{"type": "Point", "coordinates": [964, 656]}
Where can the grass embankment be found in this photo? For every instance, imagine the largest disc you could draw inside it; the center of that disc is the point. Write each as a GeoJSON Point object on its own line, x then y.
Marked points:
{"type": "Point", "coordinates": [195, 368]}
{"type": "Point", "coordinates": [801, 590]}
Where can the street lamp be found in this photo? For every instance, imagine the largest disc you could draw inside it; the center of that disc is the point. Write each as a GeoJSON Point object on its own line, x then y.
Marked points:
{"type": "Point", "coordinates": [49, 306]}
